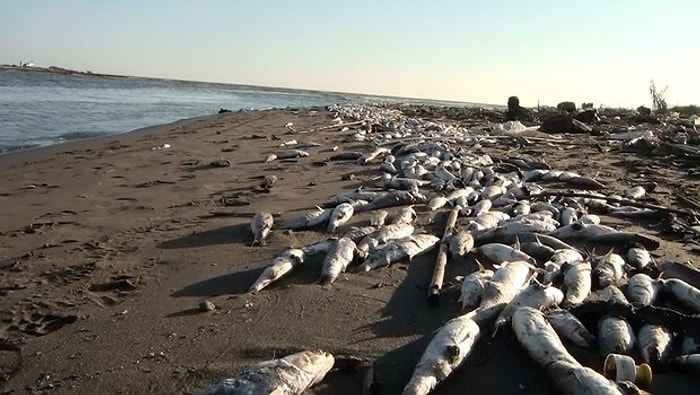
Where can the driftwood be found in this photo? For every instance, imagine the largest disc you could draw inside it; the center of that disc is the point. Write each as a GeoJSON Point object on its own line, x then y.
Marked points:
{"type": "Point", "coordinates": [640, 315]}
{"type": "Point", "coordinates": [626, 202]}
{"type": "Point", "coordinates": [441, 262]}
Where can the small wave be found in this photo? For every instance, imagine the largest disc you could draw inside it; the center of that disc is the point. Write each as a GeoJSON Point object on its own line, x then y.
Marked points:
{"type": "Point", "coordinates": [79, 135]}
{"type": "Point", "coordinates": [20, 147]}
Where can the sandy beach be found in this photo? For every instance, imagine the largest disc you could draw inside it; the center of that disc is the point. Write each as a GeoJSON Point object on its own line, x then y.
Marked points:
{"type": "Point", "coordinates": [108, 246]}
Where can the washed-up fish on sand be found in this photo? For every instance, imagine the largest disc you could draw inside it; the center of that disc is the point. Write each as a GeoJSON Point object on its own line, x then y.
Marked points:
{"type": "Point", "coordinates": [291, 375]}
{"type": "Point", "coordinates": [473, 287]}
{"type": "Point", "coordinates": [506, 282]}
{"type": "Point", "coordinates": [283, 264]}
{"type": "Point", "coordinates": [405, 215]}
{"type": "Point", "coordinates": [398, 250]}
{"type": "Point", "coordinates": [577, 282]}
{"type": "Point", "coordinates": [337, 260]}
{"type": "Point", "coordinates": [615, 336]}
{"type": "Point", "coordinates": [570, 328]}
{"type": "Point", "coordinates": [396, 198]}
{"type": "Point", "coordinates": [383, 235]}
{"type": "Point", "coordinates": [260, 226]}
{"type": "Point", "coordinates": [642, 289]}
{"type": "Point", "coordinates": [654, 344]}
{"type": "Point", "coordinates": [340, 215]}
{"type": "Point", "coordinates": [497, 253]}
{"type": "Point", "coordinates": [446, 352]}
{"type": "Point", "coordinates": [536, 295]}
{"type": "Point", "coordinates": [378, 218]}
{"type": "Point", "coordinates": [318, 217]}
{"type": "Point", "coordinates": [683, 292]}
{"type": "Point", "coordinates": [543, 345]}
{"type": "Point", "coordinates": [460, 243]}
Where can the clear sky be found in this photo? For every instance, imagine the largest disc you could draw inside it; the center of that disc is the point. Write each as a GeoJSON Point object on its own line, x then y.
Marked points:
{"type": "Point", "coordinates": [480, 51]}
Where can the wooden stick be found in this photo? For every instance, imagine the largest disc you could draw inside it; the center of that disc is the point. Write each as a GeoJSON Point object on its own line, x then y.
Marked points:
{"type": "Point", "coordinates": [611, 199]}
{"type": "Point", "coordinates": [342, 125]}
{"type": "Point", "coordinates": [441, 262]}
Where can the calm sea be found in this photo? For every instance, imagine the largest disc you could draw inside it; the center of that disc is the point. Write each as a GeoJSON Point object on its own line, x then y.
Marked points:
{"type": "Point", "coordinates": [38, 109]}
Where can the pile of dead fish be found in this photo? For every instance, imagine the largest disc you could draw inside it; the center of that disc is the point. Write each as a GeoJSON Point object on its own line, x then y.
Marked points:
{"type": "Point", "coordinates": [528, 273]}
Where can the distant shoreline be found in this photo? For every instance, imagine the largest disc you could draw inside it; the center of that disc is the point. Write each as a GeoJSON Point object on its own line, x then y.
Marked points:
{"type": "Point", "coordinates": [54, 70]}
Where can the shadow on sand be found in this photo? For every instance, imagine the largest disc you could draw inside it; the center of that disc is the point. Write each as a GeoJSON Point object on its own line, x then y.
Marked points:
{"type": "Point", "coordinates": [228, 234]}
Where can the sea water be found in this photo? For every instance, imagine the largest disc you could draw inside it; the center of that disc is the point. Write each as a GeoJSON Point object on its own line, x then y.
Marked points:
{"type": "Point", "coordinates": [40, 108]}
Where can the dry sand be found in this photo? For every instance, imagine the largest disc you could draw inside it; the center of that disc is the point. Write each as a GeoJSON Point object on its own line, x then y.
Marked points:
{"type": "Point", "coordinates": [107, 247]}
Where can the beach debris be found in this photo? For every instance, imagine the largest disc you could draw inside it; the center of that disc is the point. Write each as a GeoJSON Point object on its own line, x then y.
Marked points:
{"type": "Point", "coordinates": [291, 375]}
{"type": "Point", "coordinates": [260, 226]}
{"type": "Point", "coordinates": [441, 260]}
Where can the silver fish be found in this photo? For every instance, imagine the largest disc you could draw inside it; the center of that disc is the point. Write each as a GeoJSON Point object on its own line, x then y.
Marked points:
{"type": "Point", "coordinates": [577, 282]}
{"type": "Point", "coordinates": [280, 266]}
{"type": "Point", "coordinates": [497, 253]}
{"type": "Point", "coordinates": [348, 197]}
{"type": "Point", "coordinates": [398, 250]}
{"type": "Point", "coordinates": [396, 198]}
{"type": "Point", "coordinates": [310, 219]}
{"type": "Point", "coordinates": [642, 289]}
{"type": "Point", "coordinates": [568, 216]}
{"type": "Point", "coordinates": [341, 214]}
{"type": "Point", "coordinates": [358, 233]}
{"type": "Point", "coordinates": [570, 328]}
{"type": "Point", "coordinates": [437, 203]}
{"type": "Point", "coordinates": [537, 296]}
{"type": "Point", "coordinates": [460, 243]}
{"type": "Point", "coordinates": [638, 257]}
{"type": "Point", "coordinates": [612, 294]}
{"type": "Point", "coordinates": [364, 159]}
{"type": "Point", "coordinates": [337, 260]}
{"type": "Point", "coordinates": [383, 235]}
{"type": "Point", "coordinates": [400, 183]}
{"type": "Point", "coordinates": [260, 226]}
{"type": "Point", "coordinates": [506, 282]}
{"type": "Point", "coordinates": [654, 344]}
{"type": "Point", "coordinates": [446, 352]}
{"type": "Point", "coordinates": [615, 336]}
{"type": "Point", "coordinates": [683, 292]}
{"type": "Point", "coordinates": [292, 154]}
{"type": "Point", "coordinates": [291, 375]}
{"type": "Point", "coordinates": [610, 270]}
{"type": "Point", "coordinates": [482, 207]}
{"type": "Point", "coordinates": [405, 215]}
{"type": "Point", "coordinates": [378, 218]}
{"type": "Point", "coordinates": [320, 247]}
{"type": "Point", "coordinates": [473, 287]}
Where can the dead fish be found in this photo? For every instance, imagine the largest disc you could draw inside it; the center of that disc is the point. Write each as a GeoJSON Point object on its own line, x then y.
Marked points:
{"type": "Point", "coordinates": [685, 272]}
{"type": "Point", "coordinates": [295, 153]}
{"type": "Point", "coordinates": [610, 270]}
{"type": "Point", "coordinates": [579, 231]}
{"type": "Point", "coordinates": [612, 294]}
{"type": "Point", "coordinates": [586, 183]}
{"type": "Point", "coordinates": [537, 296]}
{"type": "Point", "coordinates": [291, 375]}
{"type": "Point", "coordinates": [337, 260]}
{"type": "Point", "coordinates": [400, 183]}
{"type": "Point", "coordinates": [280, 266]}
{"type": "Point", "coordinates": [389, 168]}
{"type": "Point", "coordinates": [560, 258]}
{"type": "Point", "coordinates": [568, 216]}
{"type": "Point", "coordinates": [492, 192]}
{"type": "Point", "coordinates": [638, 257]}
{"type": "Point", "coordinates": [687, 363]}
{"type": "Point", "coordinates": [577, 282]}
{"type": "Point", "coordinates": [654, 344]}
{"type": "Point", "coordinates": [537, 250]}
{"type": "Point", "coordinates": [437, 203]}
{"type": "Point", "coordinates": [396, 198]}
{"type": "Point", "coordinates": [572, 378]}
{"type": "Point", "coordinates": [497, 253]}
{"type": "Point", "coordinates": [473, 287]}
{"type": "Point", "coordinates": [482, 207]}
{"type": "Point", "coordinates": [622, 238]}
{"type": "Point", "coordinates": [270, 158]}
{"type": "Point", "coordinates": [398, 250]}
{"type": "Point", "coordinates": [405, 215]}
{"type": "Point", "coordinates": [378, 218]}
{"type": "Point", "coordinates": [506, 282]}
{"type": "Point", "coordinates": [364, 159]}
{"type": "Point", "coordinates": [341, 214]}
{"type": "Point", "coordinates": [642, 289]}
{"type": "Point", "coordinates": [320, 247]}
{"type": "Point", "coordinates": [635, 193]}
{"type": "Point", "coordinates": [683, 292]}
{"type": "Point", "coordinates": [357, 233]}
{"type": "Point", "coordinates": [318, 217]}
{"type": "Point", "coordinates": [446, 352]}
{"type": "Point", "coordinates": [348, 197]}
{"type": "Point", "coordinates": [522, 208]}
{"type": "Point", "coordinates": [260, 226]}
{"type": "Point", "coordinates": [570, 328]}
{"type": "Point", "coordinates": [460, 243]}
{"type": "Point", "coordinates": [615, 336]}
{"type": "Point", "coordinates": [346, 156]}
{"type": "Point", "coordinates": [589, 219]}
{"type": "Point", "coordinates": [383, 235]}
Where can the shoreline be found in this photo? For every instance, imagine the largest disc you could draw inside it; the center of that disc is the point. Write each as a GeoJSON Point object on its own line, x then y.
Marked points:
{"type": "Point", "coordinates": [107, 247]}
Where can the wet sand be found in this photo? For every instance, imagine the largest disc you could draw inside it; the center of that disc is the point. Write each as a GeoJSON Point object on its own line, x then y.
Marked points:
{"type": "Point", "coordinates": [107, 246]}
